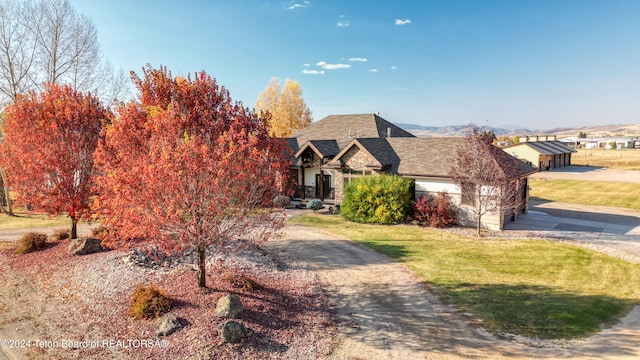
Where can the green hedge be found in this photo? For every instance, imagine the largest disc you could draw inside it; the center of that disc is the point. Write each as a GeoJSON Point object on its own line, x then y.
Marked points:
{"type": "Point", "coordinates": [383, 199]}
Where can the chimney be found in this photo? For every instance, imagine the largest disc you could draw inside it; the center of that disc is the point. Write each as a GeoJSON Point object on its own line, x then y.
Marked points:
{"type": "Point", "coordinates": [388, 132]}
{"type": "Point", "coordinates": [349, 134]}
{"type": "Point", "coordinates": [358, 134]}
{"type": "Point", "coordinates": [537, 138]}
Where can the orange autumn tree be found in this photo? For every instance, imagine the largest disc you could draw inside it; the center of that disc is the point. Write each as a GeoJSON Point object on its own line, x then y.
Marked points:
{"type": "Point", "coordinates": [48, 147]}
{"type": "Point", "coordinates": [186, 168]}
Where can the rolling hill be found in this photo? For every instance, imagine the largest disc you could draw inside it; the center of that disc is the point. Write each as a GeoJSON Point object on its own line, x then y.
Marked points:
{"type": "Point", "coordinates": [626, 130]}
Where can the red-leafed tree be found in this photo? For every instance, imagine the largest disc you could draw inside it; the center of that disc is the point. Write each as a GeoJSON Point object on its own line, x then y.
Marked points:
{"type": "Point", "coordinates": [48, 147]}
{"type": "Point", "coordinates": [185, 168]}
{"type": "Point", "coordinates": [488, 177]}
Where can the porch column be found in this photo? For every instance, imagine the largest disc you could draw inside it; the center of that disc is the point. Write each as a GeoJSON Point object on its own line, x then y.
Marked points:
{"type": "Point", "coordinates": [303, 186]}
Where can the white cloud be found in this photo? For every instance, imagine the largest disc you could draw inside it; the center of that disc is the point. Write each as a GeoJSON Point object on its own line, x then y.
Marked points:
{"type": "Point", "coordinates": [342, 24]}
{"type": "Point", "coordinates": [373, 70]}
{"type": "Point", "coordinates": [298, 5]}
{"type": "Point", "coordinates": [313, 72]}
{"type": "Point", "coordinates": [402, 22]}
{"type": "Point", "coordinates": [324, 65]}
{"type": "Point", "coordinates": [335, 66]}
{"type": "Point", "coordinates": [394, 68]}
{"type": "Point", "coordinates": [358, 59]}
{"type": "Point", "coordinates": [306, 65]}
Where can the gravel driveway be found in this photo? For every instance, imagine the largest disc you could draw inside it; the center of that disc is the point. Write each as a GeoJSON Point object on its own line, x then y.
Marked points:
{"type": "Point", "coordinates": [387, 313]}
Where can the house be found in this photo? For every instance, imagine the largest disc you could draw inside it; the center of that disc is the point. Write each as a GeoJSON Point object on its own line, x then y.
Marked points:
{"type": "Point", "coordinates": [544, 153]}
{"type": "Point", "coordinates": [333, 151]}
{"type": "Point", "coordinates": [321, 141]}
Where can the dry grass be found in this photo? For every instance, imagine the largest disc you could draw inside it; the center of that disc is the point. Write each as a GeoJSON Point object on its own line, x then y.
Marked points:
{"type": "Point", "coordinates": [23, 220]}
{"type": "Point", "coordinates": [626, 159]}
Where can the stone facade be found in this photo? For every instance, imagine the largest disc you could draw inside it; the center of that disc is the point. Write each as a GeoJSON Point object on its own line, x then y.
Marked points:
{"type": "Point", "coordinates": [354, 160]}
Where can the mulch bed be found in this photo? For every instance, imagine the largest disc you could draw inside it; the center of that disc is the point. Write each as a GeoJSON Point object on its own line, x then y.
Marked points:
{"type": "Point", "coordinates": [83, 301]}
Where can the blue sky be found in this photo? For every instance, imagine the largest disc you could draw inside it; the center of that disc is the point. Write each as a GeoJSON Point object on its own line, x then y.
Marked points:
{"type": "Point", "coordinates": [537, 64]}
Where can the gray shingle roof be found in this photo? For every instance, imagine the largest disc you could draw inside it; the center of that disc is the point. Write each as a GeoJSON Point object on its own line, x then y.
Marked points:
{"type": "Point", "coordinates": [324, 148]}
{"type": "Point", "coordinates": [428, 157]}
{"type": "Point", "coordinates": [420, 157]}
{"type": "Point", "coordinates": [344, 128]}
{"type": "Point", "coordinates": [545, 147]}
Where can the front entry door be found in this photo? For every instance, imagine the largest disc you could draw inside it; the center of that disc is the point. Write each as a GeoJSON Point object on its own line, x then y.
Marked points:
{"type": "Point", "coordinates": [318, 186]}
{"type": "Point", "coordinates": [326, 186]}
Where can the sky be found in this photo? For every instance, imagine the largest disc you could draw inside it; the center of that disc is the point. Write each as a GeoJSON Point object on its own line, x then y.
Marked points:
{"type": "Point", "coordinates": [536, 64]}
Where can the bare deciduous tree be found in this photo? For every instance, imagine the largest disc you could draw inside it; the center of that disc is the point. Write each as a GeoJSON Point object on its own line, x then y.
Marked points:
{"type": "Point", "coordinates": [48, 42]}
{"type": "Point", "coordinates": [18, 46]}
{"type": "Point", "coordinates": [488, 177]}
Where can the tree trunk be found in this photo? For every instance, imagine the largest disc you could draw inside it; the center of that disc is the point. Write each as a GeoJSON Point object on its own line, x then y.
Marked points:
{"type": "Point", "coordinates": [202, 262]}
{"type": "Point", "coordinates": [479, 225]}
{"type": "Point", "coordinates": [74, 227]}
{"type": "Point", "coordinates": [6, 193]}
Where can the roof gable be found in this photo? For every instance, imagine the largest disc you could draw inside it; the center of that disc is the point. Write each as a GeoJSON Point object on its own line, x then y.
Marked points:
{"type": "Point", "coordinates": [344, 128]}
{"type": "Point", "coordinates": [323, 148]}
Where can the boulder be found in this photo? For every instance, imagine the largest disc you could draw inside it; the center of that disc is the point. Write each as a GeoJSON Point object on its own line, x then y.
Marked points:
{"type": "Point", "coordinates": [232, 331]}
{"type": "Point", "coordinates": [84, 246]}
{"type": "Point", "coordinates": [167, 324]}
{"type": "Point", "coordinates": [229, 306]}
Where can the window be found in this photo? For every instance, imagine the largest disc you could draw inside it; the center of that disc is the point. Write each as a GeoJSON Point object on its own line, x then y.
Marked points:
{"type": "Point", "coordinates": [350, 174]}
{"type": "Point", "coordinates": [468, 194]}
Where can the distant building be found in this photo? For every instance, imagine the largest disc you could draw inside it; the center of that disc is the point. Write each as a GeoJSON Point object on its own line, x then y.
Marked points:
{"type": "Point", "coordinates": [599, 142]}
{"type": "Point", "coordinates": [543, 152]}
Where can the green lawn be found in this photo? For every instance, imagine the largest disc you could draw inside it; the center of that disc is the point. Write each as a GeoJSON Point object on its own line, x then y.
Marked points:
{"type": "Point", "coordinates": [601, 193]}
{"type": "Point", "coordinates": [534, 288]}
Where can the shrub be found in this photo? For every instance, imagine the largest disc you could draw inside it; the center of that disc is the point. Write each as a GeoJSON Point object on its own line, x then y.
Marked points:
{"type": "Point", "coordinates": [31, 242]}
{"type": "Point", "coordinates": [148, 302]}
{"type": "Point", "coordinates": [281, 201]}
{"type": "Point", "coordinates": [61, 234]}
{"type": "Point", "coordinates": [435, 212]}
{"type": "Point", "coordinates": [314, 204]}
{"type": "Point", "coordinates": [98, 231]}
{"type": "Point", "coordinates": [241, 281]}
{"type": "Point", "coordinates": [421, 210]}
{"type": "Point", "coordinates": [384, 199]}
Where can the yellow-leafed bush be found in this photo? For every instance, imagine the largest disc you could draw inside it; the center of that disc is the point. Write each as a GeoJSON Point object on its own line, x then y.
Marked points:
{"type": "Point", "coordinates": [148, 302]}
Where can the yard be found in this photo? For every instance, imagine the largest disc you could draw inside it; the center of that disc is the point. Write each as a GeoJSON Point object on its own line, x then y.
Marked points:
{"type": "Point", "coordinates": [598, 193]}
{"type": "Point", "coordinates": [627, 159]}
{"type": "Point", "coordinates": [24, 220]}
{"type": "Point", "coordinates": [534, 288]}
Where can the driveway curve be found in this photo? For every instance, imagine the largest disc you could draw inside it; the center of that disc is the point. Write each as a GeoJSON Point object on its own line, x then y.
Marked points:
{"type": "Point", "coordinates": [385, 312]}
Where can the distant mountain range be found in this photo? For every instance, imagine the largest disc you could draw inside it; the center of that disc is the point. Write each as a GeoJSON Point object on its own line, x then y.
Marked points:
{"type": "Point", "coordinates": [629, 130]}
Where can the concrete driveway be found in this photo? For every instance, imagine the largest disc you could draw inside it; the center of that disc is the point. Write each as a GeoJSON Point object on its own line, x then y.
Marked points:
{"type": "Point", "coordinates": [610, 227]}
{"type": "Point", "coordinates": [614, 228]}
